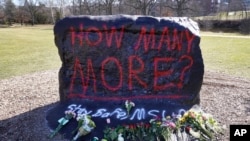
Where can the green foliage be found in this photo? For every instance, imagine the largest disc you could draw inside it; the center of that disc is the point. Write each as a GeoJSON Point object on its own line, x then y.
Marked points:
{"type": "Point", "coordinates": [111, 134]}
{"type": "Point", "coordinates": [135, 132]}
{"type": "Point", "coordinates": [244, 26]}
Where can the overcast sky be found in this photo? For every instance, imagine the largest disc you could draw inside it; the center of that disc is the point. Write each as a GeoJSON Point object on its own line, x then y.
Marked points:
{"type": "Point", "coordinates": [16, 2]}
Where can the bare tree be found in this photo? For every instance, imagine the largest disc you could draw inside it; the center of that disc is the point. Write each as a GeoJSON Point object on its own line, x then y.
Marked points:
{"type": "Point", "coordinates": [61, 7]}
{"type": "Point", "coordinates": [89, 6]}
{"type": "Point", "coordinates": [31, 7]}
{"type": "Point", "coordinates": [21, 15]}
{"type": "Point", "coordinates": [179, 6]}
{"type": "Point", "coordinates": [108, 5]}
{"type": "Point", "coordinates": [1, 11]}
{"type": "Point", "coordinates": [235, 6]}
{"type": "Point", "coordinates": [80, 7]}
{"type": "Point", "coordinates": [120, 6]}
{"type": "Point", "coordinates": [145, 6]}
{"type": "Point", "coordinates": [1, 14]}
{"type": "Point", "coordinates": [51, 4]}
{"type": "Point", "coordinates": [205, 7]}
{"type": "Point", "coordinates": [161, 4]}
{"type": "Point", "coordinates": [9, 11]}
{"type": "Point", "coordinates": [77, 7]}
{"type": "Point", "coordinates": [86, 7]}
{"type": "Point", "coordinates": [240, 6]}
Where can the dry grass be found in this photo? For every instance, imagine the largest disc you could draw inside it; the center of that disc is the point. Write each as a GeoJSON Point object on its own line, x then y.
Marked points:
{"type": "Point", "coordinates": [31, 48]}
{"type": "Point", "coordinates": [225, 52]}
{"type": "Point", "coordinates": [27, 49]}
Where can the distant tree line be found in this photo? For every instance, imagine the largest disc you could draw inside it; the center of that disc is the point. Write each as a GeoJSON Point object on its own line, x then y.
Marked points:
{"type": "Point", "coordinates": [49, 11]}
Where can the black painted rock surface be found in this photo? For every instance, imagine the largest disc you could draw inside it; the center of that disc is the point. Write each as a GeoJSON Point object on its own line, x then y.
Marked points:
{"type": "Point", "coordinates": [106, 60]}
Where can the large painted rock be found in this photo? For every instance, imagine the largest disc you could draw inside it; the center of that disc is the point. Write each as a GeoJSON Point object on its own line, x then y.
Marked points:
{"type": "Point", "coordinates": [154, 62]}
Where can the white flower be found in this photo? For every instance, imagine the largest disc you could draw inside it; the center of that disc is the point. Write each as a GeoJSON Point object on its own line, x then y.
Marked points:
{"type": "Point", "coordinates": [120, 138]}
{"type": "Point", "coordinates": [79, 117]}
{"type": "Point", "coordinates": [126, 103]}
{"type": "Point", "coordinates": [152, 120]}
{"type": "Point", "coordinates": [70, 114]}
{"type": "Point", "coordinates": [129, 105]}
{"type": "Point", "coordinates": [132, 104]}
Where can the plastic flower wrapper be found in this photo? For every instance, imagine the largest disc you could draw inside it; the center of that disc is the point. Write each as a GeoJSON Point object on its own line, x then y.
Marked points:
{"type": "Point", "coordinates": [199, 124]}
{"type": "Point", "coordinates": [79, 119]}
{"type": "Point", "coordinates": [85, 124]}
{"type": "Point", "coordinates": [167, 128]}
{"type": "Point", "coordinates": [129, 105]}
{"type": "Point", "coordinates": [95, 139]}
{"type": "Point", "coordinates": [212, 124]}
{"type": "Point", "coordinates": [63, 121]}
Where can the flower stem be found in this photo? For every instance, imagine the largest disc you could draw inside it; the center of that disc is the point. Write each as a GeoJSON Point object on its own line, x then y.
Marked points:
{"type": "Point", "coordinates": [56, 130]}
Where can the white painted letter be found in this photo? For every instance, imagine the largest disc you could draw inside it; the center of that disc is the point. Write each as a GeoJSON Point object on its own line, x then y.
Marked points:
{"type": "Point", "coordinates": [151, 113]}
{"type": "Point", "coordinates": [120, 113]}
{"type": "Point", "coordinates": [99, 113]}
{"type": "Point", "coordinates": [71, 107]}
{"type": "Point", "coordinates": [140, 114]}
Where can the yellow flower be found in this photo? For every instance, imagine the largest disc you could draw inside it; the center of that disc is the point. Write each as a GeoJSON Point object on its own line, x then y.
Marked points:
{"type": "Point", "coordinates": [158, 123]}
{"type": "Point", "coordinates": [185, 115]}
{"type": "Point", "coordinates": [182, 120]}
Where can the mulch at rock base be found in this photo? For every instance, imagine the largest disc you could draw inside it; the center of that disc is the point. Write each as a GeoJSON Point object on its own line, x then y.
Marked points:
{"type": "Point", "coordinates": [26, 99]}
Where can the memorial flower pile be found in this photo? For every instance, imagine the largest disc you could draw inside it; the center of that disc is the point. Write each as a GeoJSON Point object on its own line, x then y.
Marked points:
{"type": "Point", "coordinates": [192, 125]}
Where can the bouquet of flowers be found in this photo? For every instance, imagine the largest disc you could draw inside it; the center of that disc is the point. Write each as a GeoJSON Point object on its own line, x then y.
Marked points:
{"type": "Point", "coordinates": [63, 121]}
{"type": "Point", "coordinates": [200, 125]}
{"type": "Point", "coordinates": [85, 126]}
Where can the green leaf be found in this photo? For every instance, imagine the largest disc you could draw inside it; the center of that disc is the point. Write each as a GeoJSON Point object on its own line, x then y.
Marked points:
{"type": "Point", "coordinates": [120, 131]}
{"type": "Point", "coordinates": [113, 135]}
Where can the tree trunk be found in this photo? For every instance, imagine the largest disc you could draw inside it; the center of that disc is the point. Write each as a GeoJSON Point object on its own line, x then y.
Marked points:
{"type": "Point", "coordinates": [52, 14]}
{"type": "Point", "coordinates": [33, 20]}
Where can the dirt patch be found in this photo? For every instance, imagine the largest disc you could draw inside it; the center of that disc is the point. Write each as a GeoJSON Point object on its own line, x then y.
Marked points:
{"type": "Point", "coordinates": [26, 99]}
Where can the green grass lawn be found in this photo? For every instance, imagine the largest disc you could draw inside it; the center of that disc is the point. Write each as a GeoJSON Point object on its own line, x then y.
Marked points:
{"type": "Point", "coordinates": [226, 54]}
{"type": "Point", "coordinates": [30, 49]}
{"type": "Point", "coordinates": [27, 49]}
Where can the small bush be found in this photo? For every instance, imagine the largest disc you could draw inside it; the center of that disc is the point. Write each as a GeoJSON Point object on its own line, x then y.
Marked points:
{"type": "Point", "coordinates": [244, 27]}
